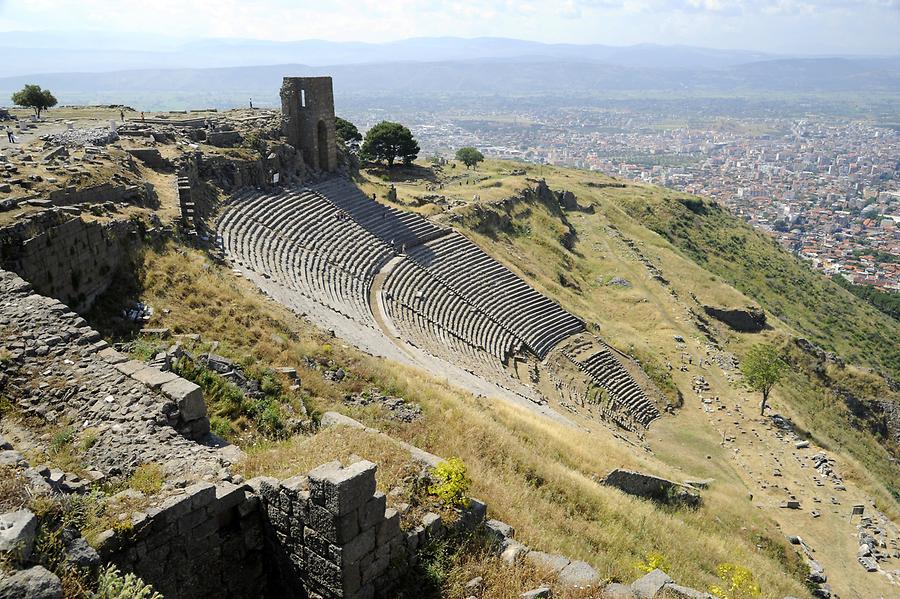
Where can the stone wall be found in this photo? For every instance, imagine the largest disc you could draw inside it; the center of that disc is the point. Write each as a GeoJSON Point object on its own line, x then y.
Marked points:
{"type": "Point", "coordinates": [651, 487]}
{"type": "Point", "coordinates": [749, 320]}
{"type": "Point", "coordinates": [307, 109]}
{"type": "Point", "coordinates": [99, 194]}
{"type": "Point", "coordinates": [84, 381]}
{"type": "Point", "coordinates": [325, 535]}
{"type": "Point", "coordinates": [71, 260]}
{"type": "Point", "coordinates": [205, 542]}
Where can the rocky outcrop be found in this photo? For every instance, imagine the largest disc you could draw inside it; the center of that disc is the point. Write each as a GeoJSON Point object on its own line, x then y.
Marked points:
{"type": "Point", "coordinates": [33, 583]}
{"type": "Point", "coordinates": [651, 487]}
{"type": "Point", "coordinates": [746, 320]}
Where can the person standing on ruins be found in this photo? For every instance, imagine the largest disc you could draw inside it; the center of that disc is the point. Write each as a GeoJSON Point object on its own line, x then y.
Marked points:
{"type": "Point", "coordinates": [9, 135]}
{"type": "Point", "coordinates": [122, 115]}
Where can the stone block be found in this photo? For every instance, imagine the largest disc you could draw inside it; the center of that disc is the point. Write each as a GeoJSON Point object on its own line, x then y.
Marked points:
{"type": "Point", "coordinates": [337, 529]}
{"type": "Point", "coordinates": [538, 593]}
{"type": "Point", "coordinates": [434, 527]}
{"type": "Point", "coordinates": [497, 531]}
{"type": "Point", "coordinates": [342, 490]}
{"type": "Point", "coordinates": [17, 532]}
{"type": "Point", "coordinates": [33, 583]}
{"type": "Point", "coordinates": [112, 356]}
{"type": "Point", "coordinates": [227, 497]}
{"type": "Point", "coordinates": [614, 590]}
{"type": "Point", "coordinates": [204, 529]}
{"type": "Point", "coordinates": [202, 494]}
{"type": "Point", "coordinates": [354, 550]}
{"type": "Point", "coordinates": [648, 585]}
{"type": "Point", "coordinates": [513, 552]}
{"type": "Point", "coordinates": [375, 569]}
{"type": "Point", "coordinates": [334, 579]}
{"type": "Point", "coordinates": [373, 511]}
{"type": "Point", "coordinates": [175, 507]}
{"type": "Point", "coordinates": [547, 561]}
{"type": "Point", "coordinates": [321, 546]}
{"type": "Point", "coordinates": [389, 527]}
{"type": "Point", "coordinates": [674, 591]}
{"type": "Point", "coordinates": [187, 395]}
{"type": "Point", "coordinates": [578, 575]}
{"type": "Point", "coordinates": [130, 367]}
{"type": "Point", "coordinates": [153, 377]}
{"type": "Point", "coordinates": [472, 516]}
{"type": "Point", "coordinates": [191, 520]}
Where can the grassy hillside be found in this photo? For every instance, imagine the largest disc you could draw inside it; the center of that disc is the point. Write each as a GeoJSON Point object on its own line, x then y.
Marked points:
{"type": "Point", "coordinates": [810, 303]}
{"type": "Point", "coordinates": [538, 475]}
{"type": "Point", "coordinates": [701, 251]}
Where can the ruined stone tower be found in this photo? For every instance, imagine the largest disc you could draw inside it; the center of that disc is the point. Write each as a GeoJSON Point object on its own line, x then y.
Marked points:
{"type": "Point", "coordinates": [307, 108]}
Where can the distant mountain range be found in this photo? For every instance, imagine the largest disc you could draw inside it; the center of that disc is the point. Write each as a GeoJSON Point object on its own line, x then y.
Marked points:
{"type": "Point", "coordinates": [224, 73]}
{"type": "Point", "coordinates": [48, 52]}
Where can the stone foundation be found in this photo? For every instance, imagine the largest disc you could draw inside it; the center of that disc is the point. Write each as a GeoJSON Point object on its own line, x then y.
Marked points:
{"type": "Point", "coordinates": [325, 535]}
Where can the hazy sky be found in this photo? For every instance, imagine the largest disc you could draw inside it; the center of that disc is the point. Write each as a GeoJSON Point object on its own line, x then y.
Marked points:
{"type": "Point", "coordinates": [795, 26]}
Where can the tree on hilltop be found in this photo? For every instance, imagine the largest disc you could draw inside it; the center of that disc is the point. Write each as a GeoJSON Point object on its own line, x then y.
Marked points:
{"type": "Point", "coordinates": [469, 156]}
{"type": "Point", "coordinates": [348, 133]}
{"type": "Point", "coordinates": [32, 96]}
{"type": "Point", "coordinates": [762, 368]}
{"type": "Point", "coordinates": [389, 141]}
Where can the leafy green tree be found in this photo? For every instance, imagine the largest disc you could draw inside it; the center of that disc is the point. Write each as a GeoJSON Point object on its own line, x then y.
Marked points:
{"type": "Point", "coordinates": [348, 133]}
{"type": "Point", "coordinates": [32, 96]}
{"type": "Point", "coordinates": [389, 141]}
{"type": "Point", "coordinates": [469, 156]}
{"type": "Point", "coordinates": [762, 368]}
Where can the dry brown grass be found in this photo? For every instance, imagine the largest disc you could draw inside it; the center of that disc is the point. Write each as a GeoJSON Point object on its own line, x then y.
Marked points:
{"type": "Point", "coordinates": [14, 493]}
{"type": "Point", "coordinates": [534, 474]}
{"type": "Point", "coordinates": [345, 444]}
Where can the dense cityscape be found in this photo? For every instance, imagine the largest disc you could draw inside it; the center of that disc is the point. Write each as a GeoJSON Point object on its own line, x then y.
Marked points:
{"type": "Point", "coordinates": [827, 188]}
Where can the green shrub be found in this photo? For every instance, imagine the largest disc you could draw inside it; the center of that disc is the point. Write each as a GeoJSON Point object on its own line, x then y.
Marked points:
{"type": "Point", "coordinates": [451, 483]}
{"type": "Point", "coordinates": [112, 584]}
{"type": "Point", "coordinates": [147, 479]}
{"type": "Point", "coordinates": [63, 438]}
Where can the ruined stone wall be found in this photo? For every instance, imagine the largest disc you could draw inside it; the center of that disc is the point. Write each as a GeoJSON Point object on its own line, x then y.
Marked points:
{"type": "Point", "coordinates": [307, 108]}
{"type": "Point", "coordinates": [58, 369]}
{"type": "Point", "coordinates": [205, 542]}
{"type": "Point", "coordinates": [326, 535]}
{"type": "Point", "coordinates": [71, 260]}
{"type": "Point", "coordinates": [99, 194]}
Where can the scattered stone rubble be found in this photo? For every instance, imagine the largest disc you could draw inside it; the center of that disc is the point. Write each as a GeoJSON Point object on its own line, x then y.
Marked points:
{"type": "Point", "coordinates": [96, 136]}
{"type": "Point", "coordinates": [398, 408]}
{"type": "Point", "coordinates": [817, 577]}
{"type": "Point", "coordinates": [573, 574]}
{"type": "Point", "coordinates": [60, 371]}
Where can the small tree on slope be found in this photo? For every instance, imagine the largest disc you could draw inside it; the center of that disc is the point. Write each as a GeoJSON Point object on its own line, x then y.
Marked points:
{"type": "Point", "coordinates": [469, 156]}
{"type": "Point", "coordinates": [762, 368]}
{"type": "Point", "coordinates": [32, 96]}
{"type": "Point", "coordinates": [348, 133]}
{"type": "Point", "coordinates": [389, 141]}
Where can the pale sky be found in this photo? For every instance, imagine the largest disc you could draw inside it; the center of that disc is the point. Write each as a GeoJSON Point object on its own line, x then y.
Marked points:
{"type": "Point", "coordinates": [788, 26]}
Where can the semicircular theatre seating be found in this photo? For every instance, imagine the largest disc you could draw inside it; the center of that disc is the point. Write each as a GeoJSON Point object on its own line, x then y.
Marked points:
{"type": "Point", "coordinates": [429, 311]}
{"type": "Point", "coordinates": [626, 396]}
{"type": "Point", "coordinates": [304, 242]}
{"type": "Point", "coordinates": [536, 319]}
{"type": "Point", "coordinates": [397, 228]}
